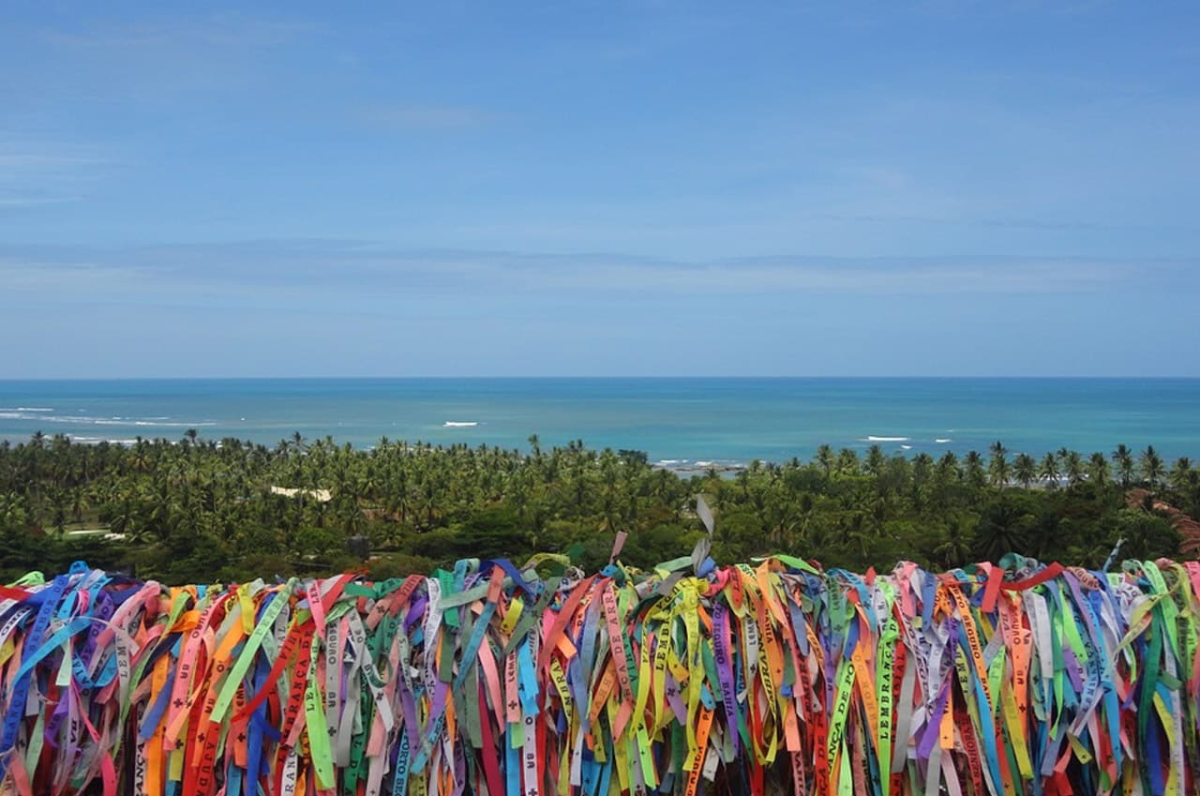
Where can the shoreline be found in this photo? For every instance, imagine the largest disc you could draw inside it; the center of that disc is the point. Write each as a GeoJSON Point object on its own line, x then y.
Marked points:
{"type": "Point", "coordinates": [703, 466]}
{"type": "Point", "coordinates": [890, 446]}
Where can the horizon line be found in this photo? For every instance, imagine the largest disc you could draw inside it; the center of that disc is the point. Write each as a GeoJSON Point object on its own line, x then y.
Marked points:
{"type": "Point", "coordinates": [579, 377]}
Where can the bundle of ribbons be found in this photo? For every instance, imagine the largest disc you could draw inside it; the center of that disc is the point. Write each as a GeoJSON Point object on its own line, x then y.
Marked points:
{"type": "Point", "coordinates": [773, 677]}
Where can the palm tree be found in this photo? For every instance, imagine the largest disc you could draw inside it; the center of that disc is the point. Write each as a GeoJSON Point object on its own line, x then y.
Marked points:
{"type": "Point", "coordinates": [1048, 472]}
{"type": "Point", "coordinates": [947, 467]}
{"type": "Point", "coordinates": [1185, 480]}
{"type": "Point", "coordinates": [12, 511]}
{"type": "Point", "coordinates": [875, 461]}
{"type": "Point", "coordinates": [1025, 469]}
{"type": "Point", "coordinates": [973, 464]}
{"type": "Point", "coordinates": [140, 459]}
{"type": "Point", "coordinates": [742, 479]}
{"type": "Point", "coordinates": [60, 504]}
{"type": "Point", "coordinates": [162, 495]}
{"type": "Point", "coordinates": [1123, 458]}
{"type": "Point", "coordinates": [1097, 469]}
{"type": "Point", "coordinates": [398, 495]}
{"type": "Point", "coordinates": [161, 510]}
{"type": "Point", "coordinates": [954, 546]}
{"type": "Point", "coordinates": [998, 467]}
{"type": "Point", "coordinates": [922, 475]}
{"type": "Point", "coordinates": [1073, 467]}
{"type": "Point", "coordinates": [79, 503]}
{"type": "Point", "coordinates": [1152, 466]}
{"type": "Point", "coordinates": [1003, 529]}
{"type": "Point", "coordinates": [825, 459]}
{"type": "Point", "coordinates": [1180, 476]}
{"type": "Point", "coordinates": [120, 512]}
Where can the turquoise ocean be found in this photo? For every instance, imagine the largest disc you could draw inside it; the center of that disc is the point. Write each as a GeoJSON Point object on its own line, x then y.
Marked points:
{"type": "Point", "coordinates": [678, 421]}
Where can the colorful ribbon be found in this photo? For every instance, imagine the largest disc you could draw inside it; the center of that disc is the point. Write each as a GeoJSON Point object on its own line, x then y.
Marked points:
{"type": "Point", "coordinates": [539, 681]}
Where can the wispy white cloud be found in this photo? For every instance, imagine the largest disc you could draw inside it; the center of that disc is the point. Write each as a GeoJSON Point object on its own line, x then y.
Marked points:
{"type": "Point", "coordinates": [319, 268]}
{"type": "Point", "coordinates": [227, 30]}
{"type": "Point", "coordinates": [42, 160]}
{"type": "Point", "coordinates": [156, 57]}
{"type": "Point", "coordinates": [34, 173]}
{"type": "Point", "coordinates": [10, 201]}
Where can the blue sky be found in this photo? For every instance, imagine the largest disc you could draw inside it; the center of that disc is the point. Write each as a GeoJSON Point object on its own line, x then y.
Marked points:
{"type": "Point", "coordinates": [637, 188]}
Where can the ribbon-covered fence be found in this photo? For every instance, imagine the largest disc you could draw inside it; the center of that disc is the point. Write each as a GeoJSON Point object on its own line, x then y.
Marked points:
{"type": "Point", "coordinates": [775, 677]}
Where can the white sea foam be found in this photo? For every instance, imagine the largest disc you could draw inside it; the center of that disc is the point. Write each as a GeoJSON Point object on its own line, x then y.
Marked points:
{"type": "Point", "coordinates": [87, 420]}
{"type": "Point", "coordinates": [906, 447]}
{"type": "Point", "coordinates": [199, 424]}
{"type": "Point", "coordinates": [943, 440]}
{"type": "Point", "coordinates": [460, 423]}
{"type": "Point", "coordinates": [886, 439]}
{"type": "Point", "coordinates": [147, 423]}
{"type": "Point", "coordinates": [25, 409]}
{"type": "Point", "coordinates": [97, 440]}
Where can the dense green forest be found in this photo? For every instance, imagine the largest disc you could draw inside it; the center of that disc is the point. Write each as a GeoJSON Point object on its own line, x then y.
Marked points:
{"type": "Point", "coordinates": [204, 510]}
